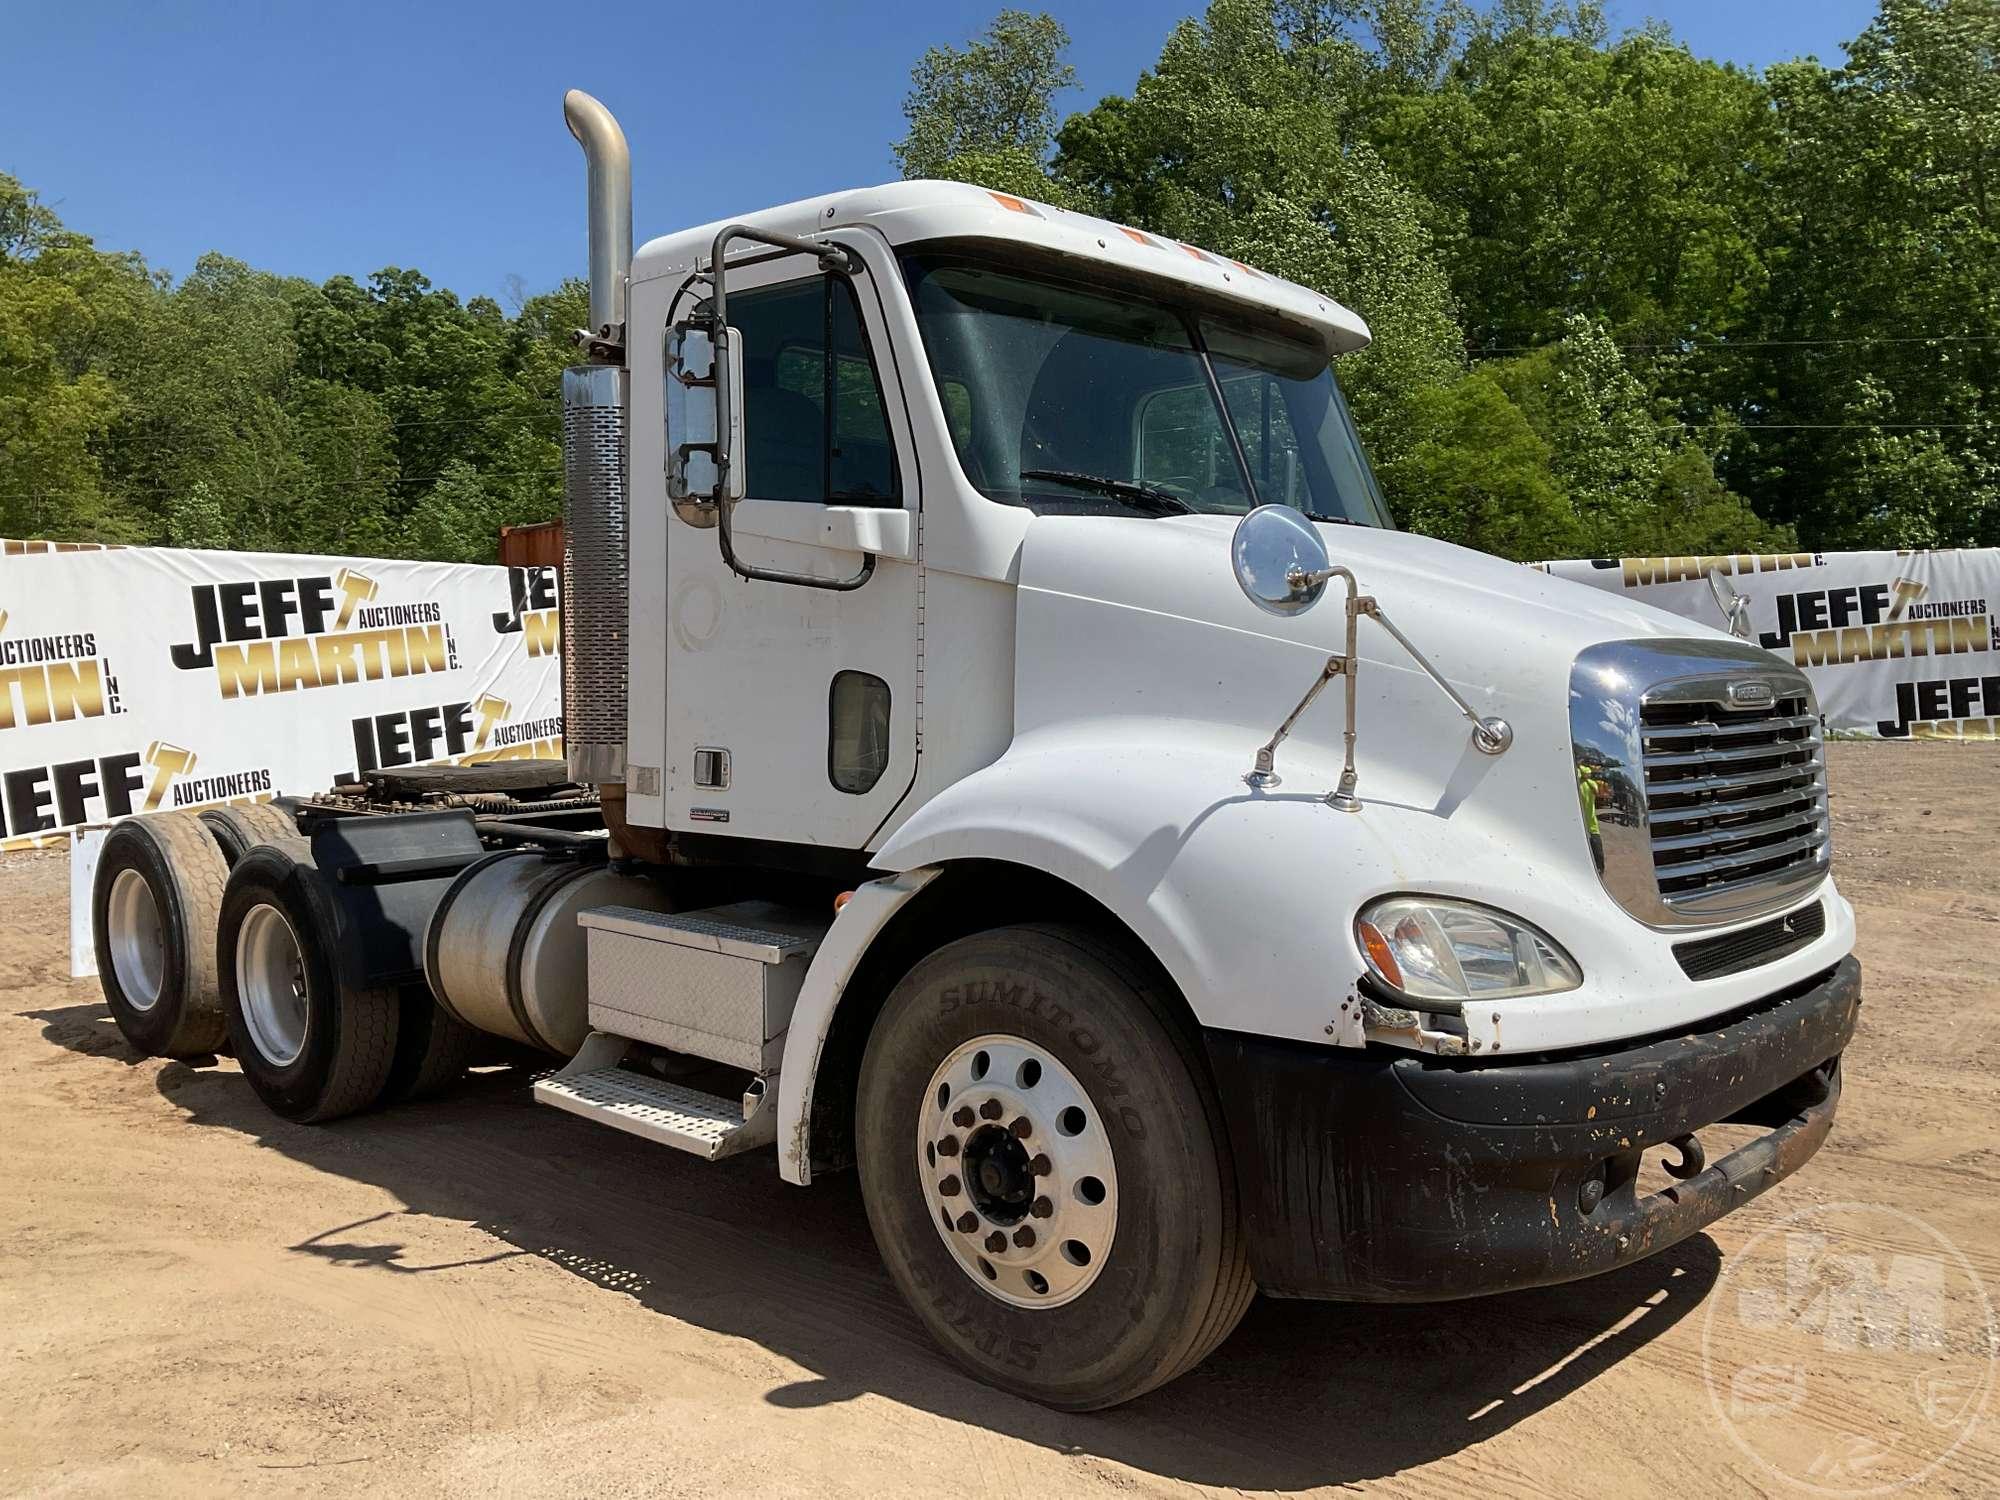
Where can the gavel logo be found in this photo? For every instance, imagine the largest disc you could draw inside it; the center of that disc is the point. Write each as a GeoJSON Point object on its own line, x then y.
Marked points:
{"type": "Point", "coordinates": [1908, 592]}
{"type": "Point", "coordinates": [355, 589]}
{"type": "Point", "coordinates": [491, 711]}
{"type": "Point", "coordinates": [167, 761]}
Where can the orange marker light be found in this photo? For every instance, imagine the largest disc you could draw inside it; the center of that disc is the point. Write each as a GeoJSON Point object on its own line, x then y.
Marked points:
{"type": "Point", "coordinates": [1135, 237]}
{"type": "Point", "coordinates": [841, 900]}
{"type": "Point", "coordinates": [1016, 205]}
{"type": "Point", "coordinates": [1377, 948]}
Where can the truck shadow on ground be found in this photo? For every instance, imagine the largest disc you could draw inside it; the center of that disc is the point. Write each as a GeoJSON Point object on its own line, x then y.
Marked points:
{"type": "Point", "coordinates": [1303, 1394]}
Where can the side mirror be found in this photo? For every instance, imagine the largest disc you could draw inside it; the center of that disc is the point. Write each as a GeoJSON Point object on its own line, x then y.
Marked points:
{"type": "Point", "coordinates": [704, 379]}
{"type": "Point", "coordinates": [1280, 559]}
{"type": "Point", "coordinates": [1735, 606]}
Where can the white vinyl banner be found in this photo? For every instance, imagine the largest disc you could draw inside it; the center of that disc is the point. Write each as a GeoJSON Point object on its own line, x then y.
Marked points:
{"type": "Point", "coordinates": [1897, 644]}
{"type": "Point", "coordinates": [145, 678]}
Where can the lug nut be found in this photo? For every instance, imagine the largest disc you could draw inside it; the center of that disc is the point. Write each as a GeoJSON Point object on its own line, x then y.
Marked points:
{"type": "Point", "coordinates": [967, 1222]}
{"type": "Point", "coordinates": [1024, 1237]}
{"type": "Point", "coordinates": [949, 1187]}
{"type": "Point", "coordinates": [996, 1242]}
{"type": "Point", "coordinates": [1041, 1166]}
{"type": "Point", "coordinates": [1022, 1127]}
{"type": "Point", "coordinates": [963, 1117]}
{"type": "Point", "coordinates": [948, 1146]}
{"type": "Point", "coordinates": [1043, 1208]}
{"type": "Point", "coordinates": [991, 1109]}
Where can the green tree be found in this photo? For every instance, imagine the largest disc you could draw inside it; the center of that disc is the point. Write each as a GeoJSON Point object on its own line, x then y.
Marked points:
{"type": "Point", "coordinates": [989, 105]}
{"type": "Point", "coordinates": [1232, 142]}
{"type": "Point", "coordinates": [1867, 377]}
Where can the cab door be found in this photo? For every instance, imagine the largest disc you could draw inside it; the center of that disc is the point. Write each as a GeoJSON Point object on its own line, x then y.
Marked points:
{"type": "Point", "coordinates": [792, 710]}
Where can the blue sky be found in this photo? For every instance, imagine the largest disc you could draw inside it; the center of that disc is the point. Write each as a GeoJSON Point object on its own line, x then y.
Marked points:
{"type": "Point", "coordinates": [320, 139]}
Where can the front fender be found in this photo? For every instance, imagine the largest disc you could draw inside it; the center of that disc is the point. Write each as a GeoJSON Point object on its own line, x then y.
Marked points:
{"type": "Point", "coordinates": [1210, 874]}
{"type": "Point", "coordinates": [1247, 896]}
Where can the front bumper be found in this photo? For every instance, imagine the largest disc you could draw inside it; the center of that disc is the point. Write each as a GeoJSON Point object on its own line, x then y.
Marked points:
{"type": "Point", "coordinates": [1383, 1176]}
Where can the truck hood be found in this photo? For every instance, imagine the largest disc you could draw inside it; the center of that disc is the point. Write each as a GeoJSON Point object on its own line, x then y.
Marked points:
{"type": "Point", "coordinates": [1140, 618]}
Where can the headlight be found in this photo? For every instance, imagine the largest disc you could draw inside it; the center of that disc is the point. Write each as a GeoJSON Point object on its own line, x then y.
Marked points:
{"type": "Point", "coordinates": [1455, 951]}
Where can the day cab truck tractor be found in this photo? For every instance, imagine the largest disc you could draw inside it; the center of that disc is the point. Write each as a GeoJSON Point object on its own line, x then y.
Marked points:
{"type": "Point", "coordinates": [952, 584]}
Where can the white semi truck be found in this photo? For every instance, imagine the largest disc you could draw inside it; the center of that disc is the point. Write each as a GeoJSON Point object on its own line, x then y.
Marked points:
{"type": "Point", "coordinates": [950, 586]}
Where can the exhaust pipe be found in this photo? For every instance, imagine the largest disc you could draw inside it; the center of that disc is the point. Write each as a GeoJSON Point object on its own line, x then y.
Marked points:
{"type": "Point", "coordinates": [595, 402]}
{"type": "Point", "coordinates": [609, 195]}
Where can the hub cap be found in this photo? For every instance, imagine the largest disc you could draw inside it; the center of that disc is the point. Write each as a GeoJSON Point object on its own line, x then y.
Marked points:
{"type": "Point", "coordinates": [271, 983]}
{"type": "Point", "coordinates": [1017, 1171]}
{"type": "Point", "coordinates": [138, 945]}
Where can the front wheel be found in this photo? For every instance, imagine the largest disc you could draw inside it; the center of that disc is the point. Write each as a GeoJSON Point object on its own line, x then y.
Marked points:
{"type": "Point", "coordinates": [1044, 1168]}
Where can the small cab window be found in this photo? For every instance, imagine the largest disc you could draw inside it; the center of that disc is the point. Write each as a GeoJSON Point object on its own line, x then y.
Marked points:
{"type": "Point", "coordinates": [815, 428]}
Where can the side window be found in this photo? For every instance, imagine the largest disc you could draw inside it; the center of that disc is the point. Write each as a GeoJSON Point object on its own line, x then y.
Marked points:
{"type": "Point", "coordinates": [1184, 449]}
{"type": "Point", "coordinates": [1264, 427]}
{"type": "Point", "coordinates": [814, 425]}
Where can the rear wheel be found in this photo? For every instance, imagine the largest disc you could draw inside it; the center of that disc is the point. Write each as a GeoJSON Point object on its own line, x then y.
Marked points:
{"type": "Point", "coordinates": [1044, 1170]}
{"type": "Point", "coordinates": [154, 907]}
{"type": "Point", "coordinates": [237, 830]}
{"type": "Point", "coordinates": [432, 1049]}
{"type": "Point", "coordinates": [311, 1048]}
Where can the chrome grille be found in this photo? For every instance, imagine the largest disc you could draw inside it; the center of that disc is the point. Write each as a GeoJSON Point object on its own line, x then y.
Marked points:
{"type": "Point", "coordinates": [1699, 809]}
{"type": "Point", "coordinates": [1734, 798]}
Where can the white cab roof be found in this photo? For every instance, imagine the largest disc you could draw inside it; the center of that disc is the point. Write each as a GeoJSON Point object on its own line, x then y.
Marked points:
{"type": "Point", "coordinates": [908, 212]}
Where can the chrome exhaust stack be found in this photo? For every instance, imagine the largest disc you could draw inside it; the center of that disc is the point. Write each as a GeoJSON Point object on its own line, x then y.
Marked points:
{"type": "Point", "coordinates": [609, 192]}
{"type": "Point", "coordinates": [595, 401]}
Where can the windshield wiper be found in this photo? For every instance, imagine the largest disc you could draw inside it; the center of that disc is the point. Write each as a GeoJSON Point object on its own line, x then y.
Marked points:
{"type": "Point", "coordinates": [1118, 489]}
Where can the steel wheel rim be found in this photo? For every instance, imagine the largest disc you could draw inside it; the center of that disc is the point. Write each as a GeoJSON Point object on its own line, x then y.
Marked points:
{"type": "Point", "coordinates": [271, 984]}
{"type": "Point", "coordinates": [1028, 1114]}
{"type": "Point", "coordinates": [138, 940]}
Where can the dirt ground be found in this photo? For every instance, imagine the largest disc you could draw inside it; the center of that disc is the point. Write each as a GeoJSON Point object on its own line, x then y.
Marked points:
{"type": "Point", "coordinates": [481, 1295]}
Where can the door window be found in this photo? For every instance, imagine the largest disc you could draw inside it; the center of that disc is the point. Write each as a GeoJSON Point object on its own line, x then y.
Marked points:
{"type": "Point", "coordinates": [815, 428]}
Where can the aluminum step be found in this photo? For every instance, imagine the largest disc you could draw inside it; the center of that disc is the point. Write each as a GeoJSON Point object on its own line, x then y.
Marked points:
{"type": "Point", "coordinates": [669, 1114]}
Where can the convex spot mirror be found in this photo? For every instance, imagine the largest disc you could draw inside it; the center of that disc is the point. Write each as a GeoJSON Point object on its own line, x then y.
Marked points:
{"type": "Point", "coordinates": [1273, 546]}
{"type": "Point", "coordinates": [704, 378]}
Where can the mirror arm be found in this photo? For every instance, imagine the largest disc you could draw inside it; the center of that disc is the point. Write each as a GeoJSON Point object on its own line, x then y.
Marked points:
{"type": "Point", "coordinates": [1343, 665]}
{"type": "Point", "coordinates": [831, 258]}
{"type": "Point", "coordinates": [1490, 736]}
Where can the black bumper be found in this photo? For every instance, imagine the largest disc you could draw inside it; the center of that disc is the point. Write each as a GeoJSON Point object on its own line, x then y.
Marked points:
{"type": "Point", "coordinates": [1381, 1176]}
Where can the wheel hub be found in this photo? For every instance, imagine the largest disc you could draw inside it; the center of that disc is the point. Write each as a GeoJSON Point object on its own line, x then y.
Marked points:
{"type": "Point", "coordinates": [1018, 1171]}
{"type": "Point", "coordinates": [997, 1176]}
{"type": "Point", "coordinates": [137, 940]}
{"type": "Point", "coordinates": [271, 984]}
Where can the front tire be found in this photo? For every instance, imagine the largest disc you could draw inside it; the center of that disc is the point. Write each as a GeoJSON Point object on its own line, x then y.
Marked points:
{"type": "Point", "coordinates": [311, 1048]}
{"type": "Point", "coordinates": [1092, 1127]}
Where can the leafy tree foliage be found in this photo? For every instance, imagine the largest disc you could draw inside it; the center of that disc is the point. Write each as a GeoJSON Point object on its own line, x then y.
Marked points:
{"type": "Point", "coordinates": [235, 408]}
{"type": "Point", "coordinates": [995, 97]}
{"type": "Point", "coordinates": [1624, 298]}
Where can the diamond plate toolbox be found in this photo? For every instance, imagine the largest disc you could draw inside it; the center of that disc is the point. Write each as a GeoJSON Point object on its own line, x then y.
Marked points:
{"type": "Point", "coordinates": [718, 983]}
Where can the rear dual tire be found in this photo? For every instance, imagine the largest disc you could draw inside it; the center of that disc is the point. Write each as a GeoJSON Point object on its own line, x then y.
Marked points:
{"type": "Point", "coordinates": [154, 906]}
{"type": "Point", "coordinates": [313, 1048]}
{"type": "Point", "coordinates": [238, 830]}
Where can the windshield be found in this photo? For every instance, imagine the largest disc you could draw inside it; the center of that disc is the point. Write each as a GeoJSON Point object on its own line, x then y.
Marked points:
{"type": "Point", "coordinates": [1068, 398]}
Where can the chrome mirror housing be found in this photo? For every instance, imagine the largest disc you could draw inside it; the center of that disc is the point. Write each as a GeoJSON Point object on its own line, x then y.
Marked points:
{"type": "Point", "coordinates": [1734, 606]}
{"type": "Point", "coordinates": [1280, 560]}
{"type": "Point", "coordinates": [704, 411]}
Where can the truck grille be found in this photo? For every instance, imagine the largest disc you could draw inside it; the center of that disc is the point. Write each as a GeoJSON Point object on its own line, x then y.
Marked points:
{"type": "Point", "coordinates": [1700, 777]}
{"type": "Point", "coordinates": [1735, 799]}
